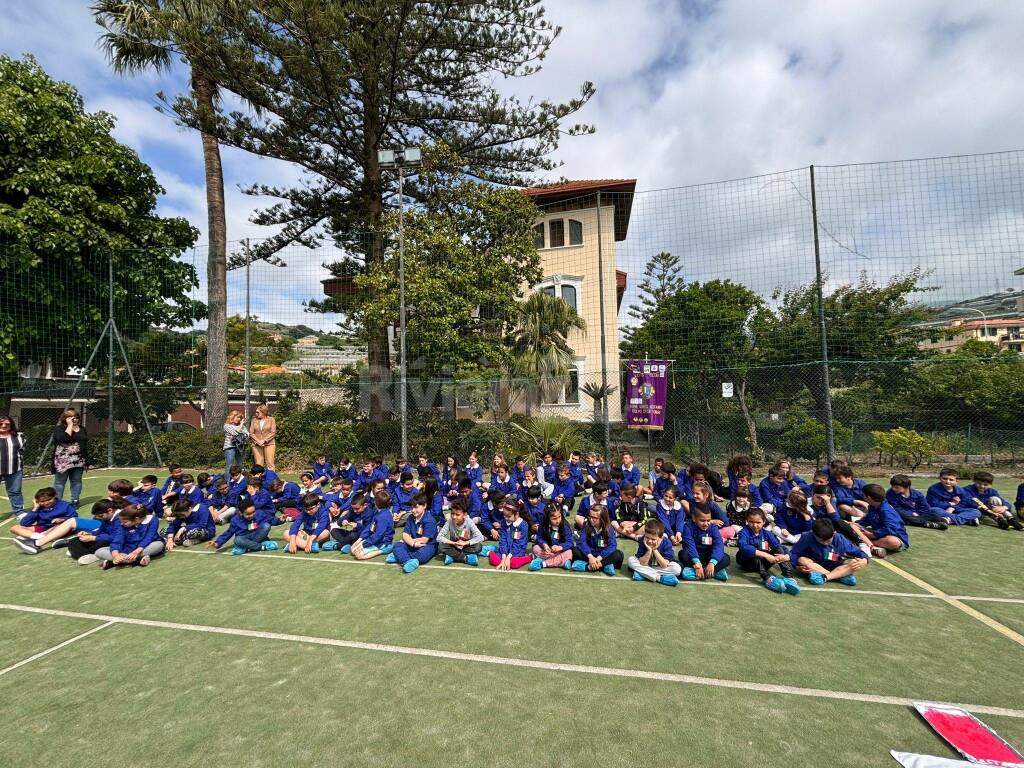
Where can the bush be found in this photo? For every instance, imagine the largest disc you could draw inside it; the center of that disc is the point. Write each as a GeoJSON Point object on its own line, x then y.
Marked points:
{"type": "Point", "coordinates": [903, 445]}
{"type": "Point", "coordinates": [306, 429]}
{"type": "Point", "coordinates": [190, 448]}
{"type": "Point", "coordinates": [805, 437]}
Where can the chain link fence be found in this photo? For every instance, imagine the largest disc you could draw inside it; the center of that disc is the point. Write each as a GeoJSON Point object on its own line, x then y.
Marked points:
{"type": "Point", "coordinates": [807, 313]}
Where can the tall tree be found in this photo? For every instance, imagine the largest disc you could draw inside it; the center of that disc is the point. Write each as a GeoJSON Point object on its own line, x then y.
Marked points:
{"type": "Point", "coordinates": [333, 83]}
{"type": "Point", "coordinates": [663, 276]}
{"type": "Point", "coordinates": [540, 343]}
{"type": "Point", "coordinates": [148, 34]}
{"type": "Point", "coordinates": [73, 201]}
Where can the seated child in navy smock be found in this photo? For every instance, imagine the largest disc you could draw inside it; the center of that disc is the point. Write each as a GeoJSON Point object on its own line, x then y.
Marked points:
{"type": "Point", "coordinates": [419, 537]}
{"type": "Point", "coordinates": [134, 539]}
{"type": "Point", "coordinates": [597, 547]}
{"type": "Point", "coordinates": [310, 528]}
{"type": "Point", "coordinates": [826, 556]}
{"type": "Point", "coordinates": [191, 524]}
{"type": "Point", "coordinates": [655, 560]}
{"type": "Point", "coordinates": [882, 524]}
{"type": "Point", "coordinates": [378, 537]}
{"type": "Point", "coordinates": [703, 553]}
{"type": "Point", "coordinates": [759, 552]}
{"type": "Point", "coordinates": [250, 529]}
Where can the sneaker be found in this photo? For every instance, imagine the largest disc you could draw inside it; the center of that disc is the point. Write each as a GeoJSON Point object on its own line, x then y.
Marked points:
{"type": "Point", "coordinates": [60, 544]}
{"type": "Point", "coordinates": [487, 549]}
{"type": "Point", "coordinates": [26, 545]}
{"type": "Point", "coordinates": [391, 559]}
{"type": "Point", "coordinates": [236, 551]}
{"type": "Point", "coordinates": [472, 560]}
{"type": "Point", "coordinates": [567, 565]}
{"type": "Point", "coordinates": [143, 561]}
{"type": "Point", "coordinates": [346, 550]}
{"type": "Point", "coordinates": [948, 521]}
{"type": "Point", "coordinates": [722, 575]}
{"type": "Point", "coordinates": [637, 577]}
{"type": "Point", "coordinates": [609, 570]}
{"type": "Point", "coordinates": [1003, 525]}
{"type": "Point", "coordinates": [579, 565]}
{"type": "Point", "coordinates": [975, 522]}
{"type": "Point", "coordinates": [87, 559]}
{"type": "Point", "coordinates": [879, 552]}
{"type": "Point", "coordinates": [849, 580]}
{"type": "Point", "coordinates": [106, 565]}
{"type": "Point", "coordinates": [791, 586]}
{"type": "Point", "coordinates": [387, 549]}
{"type": "Point", "coordinates": [189, 543]}
{"type": "Point", "coordinates": [817, 579]}
{"type": "Point", "coordinates": [68, 553]}
{"type": "Point", "coordinates": [411, 565]}
{"type": "Point", "coordinates": [1015, 524]}
{"type": "Point", "coordinates": [689, 574]}
{"type": "Point", "coordinates": [536, 564]}
{"type": "Point", "coordinates": [667, 579]}
{"type": "Point", "coordinates": [268, 546]}
{"type": "Point", "coordinates": [329, 546]}
{"type": "Point", "coordinates": [935, 525]}
{"type": "Point", "coordinates": [448, 559]}
{"type": "Point", "coordinates": [866, 549]}
{"type": "Point", "coordinates": [775, 585]}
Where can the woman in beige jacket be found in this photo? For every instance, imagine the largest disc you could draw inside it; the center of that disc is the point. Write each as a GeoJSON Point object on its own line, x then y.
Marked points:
{"type": "Point", "coordinates": [263, 434]}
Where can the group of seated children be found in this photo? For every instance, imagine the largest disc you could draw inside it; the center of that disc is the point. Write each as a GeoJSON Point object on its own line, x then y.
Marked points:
{"type": "Point", "coordinates": [568, 516]}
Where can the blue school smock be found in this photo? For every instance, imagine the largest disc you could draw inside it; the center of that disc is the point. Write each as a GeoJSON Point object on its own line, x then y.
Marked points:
{"type": "Point", "coordinates": [290, 495]}
{"type": "Point", "coordinates": [381, 530]}
{"type": "Point", "coordinates": [843, 495]}
{"type": "Point", "coordinates": [562, 536]}
{"type": "Point", "coordinates": [269, 476]}
{"type": "Point", "coordinates": [152, 500]}
{"type": "Point", "coordinates": [346, 473]}
{"type": "Point", "coordinates": [702, 546]}
{"type": "Point", "coordinates": [773, 494]}
{"type": "Point", "coordinates": [198, 519]}
{"type": "Point", "coordinates": [550, 471]}
{"type": "Point", "coordinates": [883, 520]}
{"type": "Point", "coordinates": [425, 526]}
{"type": "Point", "coordinates": [631, 475]}
{"type": "Point", "coordinates": [915, 505]}
{"type": "Point", "coordinates": [513, 539]}
{"type": "Point", "coordinates": [791, 520]}
{"type": "Point", "coordinates": [576, 474]}
{"type": "Point", "coordinates": [238, 526]}
{"type": "Point", "coordinates": [322, 470]}
{"type": "Point", "coordinates": [313, 523]}
{"type": "Point", "coordinates": [564, 488]}
{"type": "Point", "coordinates": [672, 519]}
{"type": "Point", "coordinates": [751, 543]}
{"type": "Point", "coordinates": [508, 486]}
{"type": "Point", "coordinates": [475, 474]}
{"type": "Point", "coordinates": [594, 542]}
{"type": "Point", "coordinates": [44, 517]}
{"type": "Point", "coordinates": [1018, 503]}
{"type": "Point", "coordinates": [828, 556]}
{"type": "Point", "coordinates": [127, 540]}
{"type": "Point", "coordinates": [664, 548]}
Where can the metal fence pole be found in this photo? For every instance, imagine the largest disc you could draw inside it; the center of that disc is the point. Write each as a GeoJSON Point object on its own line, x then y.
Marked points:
{"type": "Point", "coordinates": [830, 440]}
{"type": "Point", "coordinates": [110, 362]}
{"type": "Point", "coordinates": [604, 358]}
{"type": "Point", "coordinates": [248, 345]}
{"type": "Point", "coordinates": [403, 405]}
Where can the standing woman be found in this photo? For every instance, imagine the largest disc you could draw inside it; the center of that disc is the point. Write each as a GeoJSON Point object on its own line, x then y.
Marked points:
{"type": "Point", "coordinates": [12, 451]}
{"type": "Point", "coordinates": [235, 438]}
{"type": "Point", "coordinates": [70, 454]}
{"type": "Point", "coordinates": [263, 431]}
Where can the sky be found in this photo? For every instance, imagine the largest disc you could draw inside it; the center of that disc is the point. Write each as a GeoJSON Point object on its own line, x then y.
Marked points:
{"type": "Point", "coordinates": [691, 92]}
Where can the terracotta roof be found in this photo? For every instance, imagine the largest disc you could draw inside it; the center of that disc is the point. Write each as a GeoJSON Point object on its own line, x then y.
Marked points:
{"type": "Point", "coordinates": [581, 186]}
{"type": "Point", "coordinates": [579, 194]}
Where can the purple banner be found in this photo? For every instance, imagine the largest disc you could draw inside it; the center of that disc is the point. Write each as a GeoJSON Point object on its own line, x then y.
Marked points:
{"type": "Point", "coordinates": [646, 393]}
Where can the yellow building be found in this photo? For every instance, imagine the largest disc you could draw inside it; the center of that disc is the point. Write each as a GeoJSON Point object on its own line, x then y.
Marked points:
{"type": "Point", "coordinates": [576, 237]}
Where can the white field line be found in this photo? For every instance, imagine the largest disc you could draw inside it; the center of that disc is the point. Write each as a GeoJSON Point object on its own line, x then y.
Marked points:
{"type": "Point", "coordinates": [334, 559]}
{"type": "Point", "coordinates": [48, 651]}
{"type": "Point", "coordinates": [584, 669]}
{"type": "Point", "coordinates": [985, 619]}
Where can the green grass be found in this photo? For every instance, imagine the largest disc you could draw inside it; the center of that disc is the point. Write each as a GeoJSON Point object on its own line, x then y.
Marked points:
{"type": "Point", "coordinates": [213, 699]}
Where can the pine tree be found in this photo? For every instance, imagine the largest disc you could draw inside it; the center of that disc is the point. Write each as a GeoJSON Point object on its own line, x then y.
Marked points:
{"type": "Point", "coordinates": [663, 277]}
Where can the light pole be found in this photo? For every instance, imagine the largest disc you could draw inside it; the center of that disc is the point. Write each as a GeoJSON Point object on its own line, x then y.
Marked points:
{"type": "Point", "coordinates": [984, 319]}
{"type": "Point", "coordinates": [400, 159]}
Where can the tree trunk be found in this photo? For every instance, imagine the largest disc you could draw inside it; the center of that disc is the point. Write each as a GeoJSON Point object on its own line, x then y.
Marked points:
{"type": "Point", "coordinates": [216, 267]}
{"type": "Point", "coordinates": [741, 391]}
{"type": "Point", "coordinates": [378, 353]}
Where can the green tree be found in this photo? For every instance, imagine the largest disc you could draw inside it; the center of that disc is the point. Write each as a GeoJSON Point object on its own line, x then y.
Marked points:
{"type": "Point", "coordinates": [142, 35]}
{"type": "Point", "coordinates": [469, 254]}
{"type": "Point", "coordinates": [663, 276]}
{"type": "Point", "coordinates": [542, 353]}
{"type": "Point", "coordinates": [333, 83]}
{"type": "Point", "coordinates": [265, 348]}
{"type": "Point", "coordinates": [73, 200]}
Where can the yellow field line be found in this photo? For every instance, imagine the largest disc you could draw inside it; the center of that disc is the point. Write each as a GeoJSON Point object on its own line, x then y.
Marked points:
{"type": "Point", "coordinates": [988, 621]}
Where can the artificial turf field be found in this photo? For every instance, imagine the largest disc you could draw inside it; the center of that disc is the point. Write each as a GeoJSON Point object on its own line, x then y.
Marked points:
{"type": "Point", "coordinates": [272, 659]}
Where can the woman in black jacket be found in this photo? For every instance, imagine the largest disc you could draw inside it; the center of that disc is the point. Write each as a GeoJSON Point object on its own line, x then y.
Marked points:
{"type": "Point", "coordinates": [70, 454]}
{"type": "Point", "coordinates": [12, 450]}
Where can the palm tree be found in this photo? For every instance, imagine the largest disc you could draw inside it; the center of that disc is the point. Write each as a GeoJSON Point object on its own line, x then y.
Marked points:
{"type": "Point", "coordinates": [148, 34]}
{"type": "Point", "coordinates": [543, 356]}
{"type": "Point", "coordinates": [598, 393]}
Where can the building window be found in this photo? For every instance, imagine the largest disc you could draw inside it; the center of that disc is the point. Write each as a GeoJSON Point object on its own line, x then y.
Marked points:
{"type": "Point", "coordinates": [538, 236]}
{"type": "Point", "coordinates": [556, 233]}
{"type": "Point", "coordinates": [569, 288]}
{"type": "Point", "coordinates": [575, 232]}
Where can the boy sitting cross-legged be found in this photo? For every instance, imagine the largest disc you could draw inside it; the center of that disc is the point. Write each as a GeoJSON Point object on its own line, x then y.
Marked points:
{"type": "Point", "coordinates": [655, 560]}
{"type": "Point", "coordinates": [47, 512]}
{"type": "Point", "coordinates": [759, 551]}
{"type": "Point", "coordinates": [134, 539]}
{"type": "Point", "coordinates": [250, 529]}
{"type": "Point", "coordinates": [377, 538]}
{"type": "Point", "coordinates": [825, 556]}
{"type": "Point", "coordinates": [459, 540]}
{"type": "Point", "coordinates": [310, 528]}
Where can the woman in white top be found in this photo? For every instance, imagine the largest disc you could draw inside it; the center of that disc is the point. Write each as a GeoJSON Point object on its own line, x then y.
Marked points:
{"type": "Point", "coordinates": [236, 436]}
{"type": "Point", "coordinates": [12, 451]}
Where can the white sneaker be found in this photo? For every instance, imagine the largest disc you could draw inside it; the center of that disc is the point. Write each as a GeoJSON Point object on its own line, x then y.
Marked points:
{"type": "Point", "coordinates": [865, 549]}
{"type": "Point", "coordinates": [86, 559]}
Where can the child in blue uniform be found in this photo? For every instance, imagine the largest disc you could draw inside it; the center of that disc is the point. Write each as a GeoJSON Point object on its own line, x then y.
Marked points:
{"type": "Point", "coordinates": [759, 552]}
{"type": "Point", "coordinates": [192, 524]}
{"type": "Point", "coordinates": [701, 492]}
{"type": "Point", "coordinates": [599, 493]}
{"type": "Point", "coordinates": [655, 560]}
{"type": "Point", "coordinates": [563, 491]}
{"type": "Point", "coordinates": [630, 471]}
{"type": "Point", "coordinates": [249, 529]}
{"type": "Point", "coordinates": [513, 540]}
{"type": "Point", "coordinates": [949, 501]}
{"type": "Point", "coordinates": [774, 489]}
{"type": "Point", "coordinates": [308, 485]}
{"type": "Point", "coordinates": [795, 519]}
{"type": "Point", "coordinates": [911, 505]}
{"type": "Point", "coordinates": [672, 515]}
{"type": "Point", "coordinates": [849, 493]}
{"type": "Point", "coordinates": [223, 503]}
{"type": "Point", "coordinates": [134, 539]}
{"type": "Point", "coordinates": [309, 530]}
{"type": "Point", "coordinates": [703, 551]}
{"type": "Point", "coordinates": [148, 495]}
{"type": "Point", "coordinates": [824, 556]}
{"type": "Point", "coordinates": [47, 512]}
{"type": "Point", "coordinates": [419, 537]}
{"type": "Point", "coordinates": [346, 470]}
{"type": "Point", "coordinates": [402, 496]}
{"type": "Point", "coordinates": [631, 513]}
{"type": "Point", "coordinates": [982, 495]}
{"type": "Point", "coordinates": [322, 472]}
{"type": "Point", "coordinates": [86, 535]}
{"type": "Point", "coordinates": [882, 524]}
{"type": "Point", "coordinates": [555, 540]}
{"type": "Point", "coordinates": [502, 481]}
{"type": "Point", "coordinates": [350, 525]}
{"type": "Point", "coordinates": [597, 548]}
{"type": "Point", "coordinates": [378, 536]}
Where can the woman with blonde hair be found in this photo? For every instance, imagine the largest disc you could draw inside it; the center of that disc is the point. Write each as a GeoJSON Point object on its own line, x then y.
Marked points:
{"type": "Point", "coordinates": [263, 431]}
{"type": "Point", "coordinates": [235, 438]}
{"type": "Point", "coordinates": [70, 454]}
